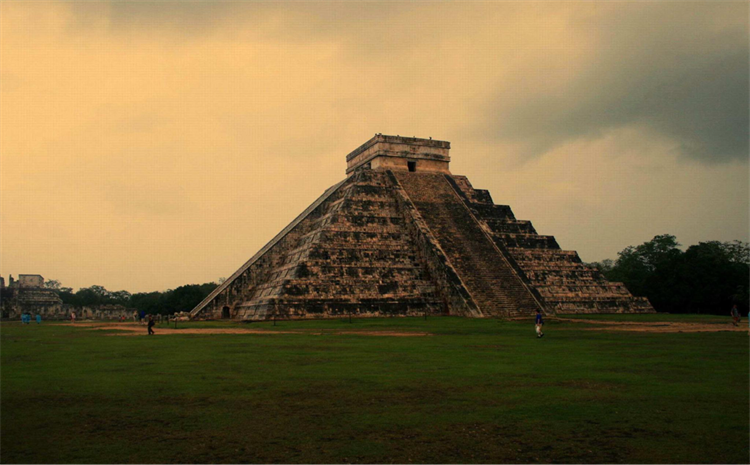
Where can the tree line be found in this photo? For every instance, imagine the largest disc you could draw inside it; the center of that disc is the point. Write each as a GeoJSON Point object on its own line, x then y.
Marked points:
{"type": "Point", "coordinates": [181, 299]}
{"type": "Point", "coordinates": [708, 277]}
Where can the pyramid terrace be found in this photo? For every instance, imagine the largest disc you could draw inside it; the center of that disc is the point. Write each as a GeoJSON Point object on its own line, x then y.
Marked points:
{"type": "Point", "coordinates": [402, 235]}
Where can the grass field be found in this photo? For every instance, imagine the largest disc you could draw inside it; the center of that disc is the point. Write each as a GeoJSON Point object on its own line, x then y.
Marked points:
{"type": "Point", "coordinates": [472, 391]}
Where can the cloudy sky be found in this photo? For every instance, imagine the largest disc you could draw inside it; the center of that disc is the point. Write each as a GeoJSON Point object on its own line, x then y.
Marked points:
{"type": "Point", "coordinates": [149, 145]}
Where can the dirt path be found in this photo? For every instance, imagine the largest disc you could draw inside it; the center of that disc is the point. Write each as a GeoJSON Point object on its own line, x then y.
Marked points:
{"type": "Point", "coordinates": [133, 329]}
{"type": "Point", "coordinates": [657, 326]}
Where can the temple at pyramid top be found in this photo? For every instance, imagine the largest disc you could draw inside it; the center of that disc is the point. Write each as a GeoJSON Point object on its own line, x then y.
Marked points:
{"type": "Point", "coordinates": [402, 235]}
{"type": "Point", "coordinates": [401, 154]}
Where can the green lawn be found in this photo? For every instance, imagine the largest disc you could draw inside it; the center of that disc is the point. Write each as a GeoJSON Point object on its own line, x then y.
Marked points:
{"type": "Point", "coordinates": [475, 391]}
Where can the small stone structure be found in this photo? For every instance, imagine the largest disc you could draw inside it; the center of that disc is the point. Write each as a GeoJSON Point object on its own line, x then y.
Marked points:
{"type": "Point", "coordinates": [401, 235]}
{"type": "Point", "coordinates": [28, 295]}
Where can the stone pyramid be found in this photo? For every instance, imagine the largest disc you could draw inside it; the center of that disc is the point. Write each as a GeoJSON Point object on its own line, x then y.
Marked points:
{"type": "Point", "coordinates": [401, 235]}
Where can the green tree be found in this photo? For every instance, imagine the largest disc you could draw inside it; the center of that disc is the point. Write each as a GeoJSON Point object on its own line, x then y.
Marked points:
{"type": "Point", "coordinates": [737, 251]}
{"type": "Point", "coordinates": [120, 297]}
{"type": "Point", "coordinates": [605, 266]}
{"type": "Point", "coordinates": [150, 302]}
{"type": "Point", "coordinates": [66, 295]}
{"type": "Point", "coordinates": [635, 266]}
{"type": "Point", "coordinates": [185, 298]}
{"type": "Point", "coordinates": [181, 299]}
{"type": "Point", "coordinates": [712, 274]}
{"type": "Point", "coordinates": [707, 278]}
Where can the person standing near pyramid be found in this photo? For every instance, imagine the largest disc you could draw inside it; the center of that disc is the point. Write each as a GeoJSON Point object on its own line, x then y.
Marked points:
{"type": "Point", "coordinates": [735, 315]}
{"type": "Point", "coordinates": [538, 323]}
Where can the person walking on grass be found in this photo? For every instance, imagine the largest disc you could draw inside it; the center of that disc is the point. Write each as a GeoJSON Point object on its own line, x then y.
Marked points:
{"type": "Point", "coordinates": [38, 319]}
{"type": "Point", "coordinates": [72, 317]}
{"type": "Point", "coordinates": [151, 325]}
{"type": "Point", "coordinates": [735, 315]}
{"type": "Point", "coordinates": [538, 323]}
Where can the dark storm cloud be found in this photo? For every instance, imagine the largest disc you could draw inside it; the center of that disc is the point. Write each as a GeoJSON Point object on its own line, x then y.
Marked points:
{"type": "Point", "coordinates": [678, 70]}
{"type": "Point", "coordinates": [187, 17]}
{"type": "Point", "coordinates": [286, 20]}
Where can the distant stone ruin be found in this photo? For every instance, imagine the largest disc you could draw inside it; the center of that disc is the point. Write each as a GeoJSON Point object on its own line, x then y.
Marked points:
{"type": "Point", "coordinates": [28, 295]}
{"type": "Point", "coordinates": [401, 235]}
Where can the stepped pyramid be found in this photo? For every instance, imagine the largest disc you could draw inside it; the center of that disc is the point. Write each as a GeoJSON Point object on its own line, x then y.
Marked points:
{"type": "Point", "coordinates": [401, 235]}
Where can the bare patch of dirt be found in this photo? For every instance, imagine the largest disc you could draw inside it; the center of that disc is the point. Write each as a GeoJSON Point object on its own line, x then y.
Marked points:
{"type": "Point", "coordinates": [658, 326]}
{"type": "Point", "coordinates": [133, 329]}
{"type": "Point", "coordinates": [384, 333]}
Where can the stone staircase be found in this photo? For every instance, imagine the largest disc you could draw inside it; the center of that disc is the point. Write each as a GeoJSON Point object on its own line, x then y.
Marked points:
{"type": "Point", "coordinates": [492, 282]}
{"type": "Point", "coordinates": [561, 279]}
